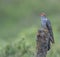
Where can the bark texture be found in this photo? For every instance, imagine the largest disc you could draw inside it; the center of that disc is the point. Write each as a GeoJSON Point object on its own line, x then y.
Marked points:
{"type": "Point", "coordinates": [42, 42]}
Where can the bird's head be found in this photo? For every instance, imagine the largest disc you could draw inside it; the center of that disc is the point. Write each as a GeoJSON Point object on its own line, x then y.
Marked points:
{"type": "Point", "coordinates": [43, 14]}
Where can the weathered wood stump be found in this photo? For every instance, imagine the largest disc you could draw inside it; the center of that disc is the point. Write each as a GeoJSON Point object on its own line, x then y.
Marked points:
{"type": "Point", "coordinates": [42, 42]}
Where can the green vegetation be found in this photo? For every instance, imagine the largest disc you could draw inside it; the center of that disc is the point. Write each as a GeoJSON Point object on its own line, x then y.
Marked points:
{"type": "Point", "coordinates": [19, 22]}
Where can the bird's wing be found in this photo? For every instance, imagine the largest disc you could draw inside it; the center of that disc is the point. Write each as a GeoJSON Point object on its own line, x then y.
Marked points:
{"type": "Point", "coordinates": [48, 24]}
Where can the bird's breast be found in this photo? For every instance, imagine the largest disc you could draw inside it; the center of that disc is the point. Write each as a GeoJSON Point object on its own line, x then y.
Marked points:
{"type": "Point", "coordinates": [43, 23]}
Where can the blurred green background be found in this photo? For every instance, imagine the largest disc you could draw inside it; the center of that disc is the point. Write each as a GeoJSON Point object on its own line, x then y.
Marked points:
{"type": "Point", "coordinates": [19, 22]}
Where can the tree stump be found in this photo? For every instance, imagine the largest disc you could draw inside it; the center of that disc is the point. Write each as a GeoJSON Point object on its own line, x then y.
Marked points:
{"type": "Point", "coordinates": [42, 42]}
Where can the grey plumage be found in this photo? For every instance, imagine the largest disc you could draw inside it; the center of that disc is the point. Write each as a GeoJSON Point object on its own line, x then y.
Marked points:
{"type": "Point", "coordinates": [49, 27]}
{"type": "Point", "coordinates": [46, 24]}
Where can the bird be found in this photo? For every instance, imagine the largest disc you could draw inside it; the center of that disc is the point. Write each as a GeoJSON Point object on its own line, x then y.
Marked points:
{"type": "Point", "coordinates": [46, 24]}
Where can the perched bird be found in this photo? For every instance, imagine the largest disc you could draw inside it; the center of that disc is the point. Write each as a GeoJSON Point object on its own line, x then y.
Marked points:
{"type": "Point", "coordinates": [46, 24]}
